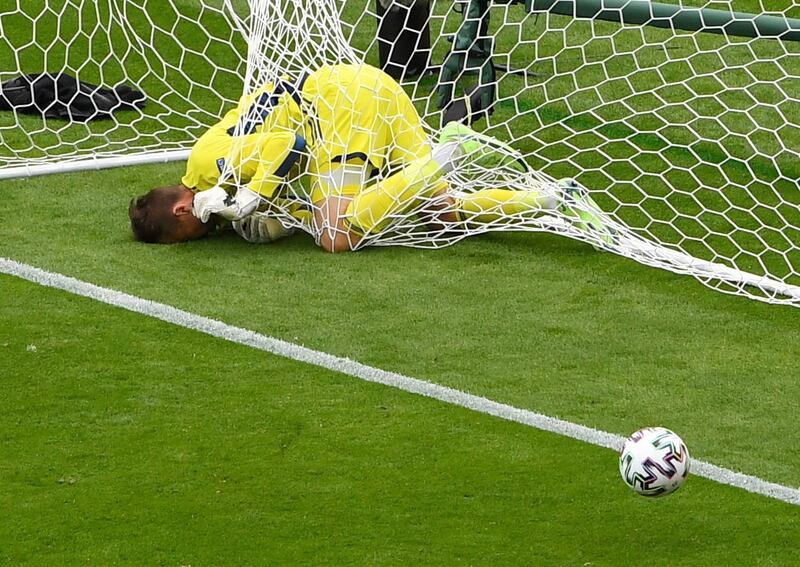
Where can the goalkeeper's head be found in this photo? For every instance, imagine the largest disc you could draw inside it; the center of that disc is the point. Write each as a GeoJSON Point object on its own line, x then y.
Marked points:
{"type": "Point", "coordinates": [164, 216]}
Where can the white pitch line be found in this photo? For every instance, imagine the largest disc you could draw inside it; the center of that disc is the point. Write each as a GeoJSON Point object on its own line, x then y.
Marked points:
{"type": "Point", "coordinates": [371, 374]}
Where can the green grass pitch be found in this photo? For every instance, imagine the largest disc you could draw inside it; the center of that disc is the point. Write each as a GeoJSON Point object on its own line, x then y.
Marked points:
{"type": "Point", "coordinates": [128, 441]}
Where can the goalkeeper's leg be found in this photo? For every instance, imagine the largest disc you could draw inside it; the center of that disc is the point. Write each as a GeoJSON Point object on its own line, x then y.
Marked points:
{"type": "Point", "coordinates": [346, 207]}
{"type": "Point", "coordinates": [492, 206]}
{"type": "Point", "coordinates": [372, 209]}
{"type": "Point", "coordinates": [332, 192]}
{"type": "Point", "coordinates": [331, 231]}
{"type": "Point", "coordinates": [342, 220]}
{"type": "Point", "coordinates": [345, 211]}
{"type": "Point", "coordinates": [501, 205]}
{"type": "Point", "coordinates": [569, 197]}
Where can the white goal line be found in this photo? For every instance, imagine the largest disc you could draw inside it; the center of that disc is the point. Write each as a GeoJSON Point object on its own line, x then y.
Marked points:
{"type": "Point", "coordinates": [355, 369]}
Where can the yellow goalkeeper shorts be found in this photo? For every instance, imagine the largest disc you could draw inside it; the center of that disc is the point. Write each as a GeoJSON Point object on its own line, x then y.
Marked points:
{"type": "Point", "coordinates": [360, 116]}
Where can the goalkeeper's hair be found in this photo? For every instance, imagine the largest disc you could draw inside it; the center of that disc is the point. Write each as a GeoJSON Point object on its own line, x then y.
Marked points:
{"type": "Point", "coordinates": [152, 219]}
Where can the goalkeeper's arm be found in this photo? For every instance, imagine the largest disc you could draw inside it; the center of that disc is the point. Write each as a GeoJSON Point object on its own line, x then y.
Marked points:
{"type": "Point", "coordinates": [277, 154]}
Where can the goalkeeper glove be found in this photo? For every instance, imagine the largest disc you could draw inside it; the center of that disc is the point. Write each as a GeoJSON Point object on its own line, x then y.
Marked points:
{"type": "Point", "coordinates": [217, 201]}
{"type": "Point", "coordinates": [260, 228]}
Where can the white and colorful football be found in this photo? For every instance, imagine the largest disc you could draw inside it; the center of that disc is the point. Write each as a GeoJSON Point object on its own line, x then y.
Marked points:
{"type": "Point", "coordinates": [654, 461]}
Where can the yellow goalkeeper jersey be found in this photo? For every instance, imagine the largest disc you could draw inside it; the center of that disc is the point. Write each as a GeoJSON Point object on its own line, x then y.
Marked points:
{"type": "Point", "coordinates": [336, 114]}
{"type": "Point", "coordinates": [256, 144]}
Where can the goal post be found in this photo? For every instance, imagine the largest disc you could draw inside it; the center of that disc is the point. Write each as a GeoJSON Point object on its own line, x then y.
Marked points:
{"type": "Point", "coordinates": [675, 17]}
{"type": "Point", "coordinates": [683, 122]}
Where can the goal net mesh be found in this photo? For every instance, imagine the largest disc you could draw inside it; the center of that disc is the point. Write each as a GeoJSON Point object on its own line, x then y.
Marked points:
{"type": "Point", "coordinates": [688, 142]}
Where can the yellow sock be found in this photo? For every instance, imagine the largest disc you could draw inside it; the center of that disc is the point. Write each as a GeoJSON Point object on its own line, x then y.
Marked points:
{"type": "Point", "coordinates": [491, 205]}
{"type": "Point", "coordinates": [371, 207]}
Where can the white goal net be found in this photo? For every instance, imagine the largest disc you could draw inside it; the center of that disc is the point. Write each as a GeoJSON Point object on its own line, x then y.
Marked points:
{"type": "Point", "coordinates": [688, 141]}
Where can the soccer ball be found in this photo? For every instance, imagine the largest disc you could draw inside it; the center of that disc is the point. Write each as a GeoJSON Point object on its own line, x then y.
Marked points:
{"type": "Point", "coordinates": [654, 461]}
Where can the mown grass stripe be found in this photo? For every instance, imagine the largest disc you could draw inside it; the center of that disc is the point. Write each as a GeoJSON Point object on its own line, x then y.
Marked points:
{"type": "Point", "coordinates": [355, 369]}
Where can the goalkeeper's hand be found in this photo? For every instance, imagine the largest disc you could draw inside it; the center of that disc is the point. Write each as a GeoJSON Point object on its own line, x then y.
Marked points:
{"type": "Point", "coordinates": [261, 228]}
{"type": "Point", "coordinates": [217, 201]}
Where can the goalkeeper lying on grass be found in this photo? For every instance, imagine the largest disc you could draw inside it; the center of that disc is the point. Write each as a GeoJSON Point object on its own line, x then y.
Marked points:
{"type": "Point", "coordinates": [351, 138]}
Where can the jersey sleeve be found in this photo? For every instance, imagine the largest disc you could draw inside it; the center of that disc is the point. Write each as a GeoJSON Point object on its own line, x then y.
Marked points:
{"type": "Point", "coordinates": [277, 153]}
{"type": "Point", "coordinates": [207, 160]}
